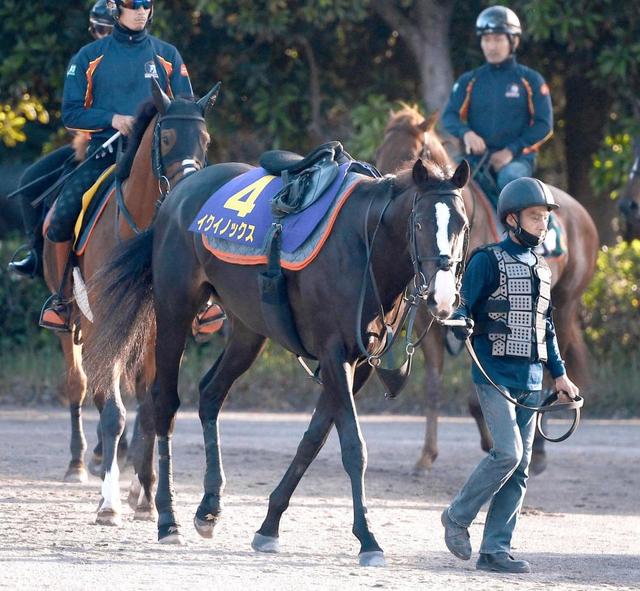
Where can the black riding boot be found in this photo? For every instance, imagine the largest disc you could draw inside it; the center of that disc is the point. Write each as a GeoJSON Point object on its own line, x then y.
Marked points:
{"type": "Point", "coordinates": [28, 266]}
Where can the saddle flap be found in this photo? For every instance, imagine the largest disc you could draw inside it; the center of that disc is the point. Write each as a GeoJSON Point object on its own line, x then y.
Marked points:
{"type": "Point", "coordinates": [305, 188]}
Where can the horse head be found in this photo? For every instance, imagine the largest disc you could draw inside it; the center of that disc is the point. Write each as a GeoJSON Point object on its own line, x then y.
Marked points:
{"type": "Point", "coordinates": [629, 204]}
{"type": "Point", "coordinates": [438, 234]}
{"type": "Point", "coordinates": [181, 139]}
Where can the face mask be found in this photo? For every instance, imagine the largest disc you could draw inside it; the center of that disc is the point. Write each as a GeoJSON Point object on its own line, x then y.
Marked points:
{"type": "Point", "coordinates": [527, 239]}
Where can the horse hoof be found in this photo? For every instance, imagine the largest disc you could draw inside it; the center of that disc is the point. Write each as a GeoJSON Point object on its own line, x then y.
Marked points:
{"type": "Point", "coordinates": [76, 475]}
{"type": "Point", "coordinates": [203, 527]}
{"type": "Point", "coordinates": [173, 538]}
{"type": "Point", "coordinates": [538, 463]}
{"type": "Point", "coordinates": [375, 558]}
{"type": "Point", "coordinates": [108, 517]}
{"type": "Point", "coordinates": [145, 514]}
{"type": "Point", "coordinates": [268, 544]}
{"type": "Point", "coordinates": [95, 466]}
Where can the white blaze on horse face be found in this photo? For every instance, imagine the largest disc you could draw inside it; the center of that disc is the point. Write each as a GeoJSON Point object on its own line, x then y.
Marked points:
{"type": "Point", "coordinates": [445, 283]}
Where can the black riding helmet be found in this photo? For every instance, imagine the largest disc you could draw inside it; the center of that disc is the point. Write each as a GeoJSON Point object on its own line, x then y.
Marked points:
{"type": "Point", "coordinates": [498, 19]}
{"type": "Point", "coordinates": [100, 19]}
{"type": "Point", "coordinates": [522, 193]}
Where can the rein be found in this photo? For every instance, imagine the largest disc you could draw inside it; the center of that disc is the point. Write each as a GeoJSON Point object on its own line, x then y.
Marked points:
{"type": "Point", "coordinates": [188, 166]}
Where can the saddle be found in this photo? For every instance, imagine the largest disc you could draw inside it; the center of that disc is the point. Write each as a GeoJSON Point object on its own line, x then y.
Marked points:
{"type": "Point", "coordinates": [305, 178]}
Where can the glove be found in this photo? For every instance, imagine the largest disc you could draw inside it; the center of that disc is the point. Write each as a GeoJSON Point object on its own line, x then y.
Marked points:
{"type": "Point", "coordinates": [462, 333]}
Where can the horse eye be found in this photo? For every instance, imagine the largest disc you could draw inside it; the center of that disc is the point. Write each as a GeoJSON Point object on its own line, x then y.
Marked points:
{"type": "Point", "coordinates": [418, 226]}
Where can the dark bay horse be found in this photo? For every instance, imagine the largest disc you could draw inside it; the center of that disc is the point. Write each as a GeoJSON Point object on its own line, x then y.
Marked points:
{"type": "Point", "coordinates": [176, 131]}
{"type": "Point", "coordinates": [408, 135]}
{"type": "Point", "coordinates": [629, 204]}
{"type": "Point", "coordinates": [162, 277]}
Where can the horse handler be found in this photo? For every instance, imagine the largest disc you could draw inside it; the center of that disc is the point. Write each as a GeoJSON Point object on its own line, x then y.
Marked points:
{"type": "Point", "coordinates": [506, 291]}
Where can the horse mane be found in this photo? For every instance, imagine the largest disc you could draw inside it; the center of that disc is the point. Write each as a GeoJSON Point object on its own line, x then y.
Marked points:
{"type": "Point", "coordinates": [146, 112]}
{"type": "Point", "coordinates": [408, 119]}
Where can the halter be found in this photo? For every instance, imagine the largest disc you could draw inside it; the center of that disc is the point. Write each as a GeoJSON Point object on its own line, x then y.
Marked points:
{"type": "Point", "coordinates": [187, 167]}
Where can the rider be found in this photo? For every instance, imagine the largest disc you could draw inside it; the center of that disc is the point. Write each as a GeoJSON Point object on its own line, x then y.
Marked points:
{"type": "Point", "coordinates": [506, 291]}
{"type": "Point", "coordinates": [50, 167]}
{"type": "Point", "coordinates": [502, 107]}
{"type": "Point", "coordinates": [105, 82]}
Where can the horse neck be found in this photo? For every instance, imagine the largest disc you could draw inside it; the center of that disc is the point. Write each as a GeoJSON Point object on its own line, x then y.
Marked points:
{"type": "Point", "coordinates": [391, 259]}
{"type": "Point", "coordinates": [141, 192]}
{"type": "Point", "coordinates": [483, 228]}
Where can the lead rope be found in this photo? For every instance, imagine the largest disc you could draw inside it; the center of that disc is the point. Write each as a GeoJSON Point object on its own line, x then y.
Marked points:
{"type": "Point", "coordinates": [548, 405]}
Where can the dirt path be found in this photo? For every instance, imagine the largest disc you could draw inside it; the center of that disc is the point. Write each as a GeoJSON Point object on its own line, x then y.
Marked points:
{"type": "Point", "coordinates": [580, 528]}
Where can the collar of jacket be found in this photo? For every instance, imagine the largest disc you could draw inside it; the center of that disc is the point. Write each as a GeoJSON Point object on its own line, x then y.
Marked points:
{"type": "Point", "coordinates": [124, 35]}
{"type": "Point", "coordinates": [507, 64]}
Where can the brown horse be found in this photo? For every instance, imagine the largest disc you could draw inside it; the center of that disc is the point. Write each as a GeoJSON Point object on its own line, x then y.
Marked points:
{"type": "Point", "coordinates": [168, 141]}
{"type": "Point", "coordinates": [629, 204]}
{"type": "Point", "coordinates": [408, 135]}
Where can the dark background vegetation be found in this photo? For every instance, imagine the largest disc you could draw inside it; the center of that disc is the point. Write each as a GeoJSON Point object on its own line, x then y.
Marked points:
{"type": "Point", "coordinates": [299, 72]}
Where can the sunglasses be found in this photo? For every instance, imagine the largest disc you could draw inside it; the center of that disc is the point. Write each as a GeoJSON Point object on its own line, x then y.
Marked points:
{"type": "Point", "coordinates": [135, 4]}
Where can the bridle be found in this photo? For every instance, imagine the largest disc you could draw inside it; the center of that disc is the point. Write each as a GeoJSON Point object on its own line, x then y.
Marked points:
{"type": "Point", "coordinates": [421, 283]}
{"type": "Point", "coordinates": [186, 167]}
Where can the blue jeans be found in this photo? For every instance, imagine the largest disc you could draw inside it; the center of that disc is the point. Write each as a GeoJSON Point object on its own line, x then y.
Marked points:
{"type": "Point", "coordinates": [516, 169]}
{"type": "Point", "coordinates": [501, 477]}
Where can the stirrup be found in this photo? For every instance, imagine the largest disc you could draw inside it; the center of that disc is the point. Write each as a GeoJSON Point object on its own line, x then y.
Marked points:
{"type": "Point", "coordinates": [208, 322]}
{"type": "Point", "coordinates": [55, 314]}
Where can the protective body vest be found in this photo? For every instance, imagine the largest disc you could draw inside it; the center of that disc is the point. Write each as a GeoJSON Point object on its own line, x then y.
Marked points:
{"type": "Point", "coordinates": [514, 315]}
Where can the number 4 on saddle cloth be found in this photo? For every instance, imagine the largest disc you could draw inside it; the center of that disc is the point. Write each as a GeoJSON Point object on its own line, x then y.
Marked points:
{"type": "Point", "coordinates": [302, 195]}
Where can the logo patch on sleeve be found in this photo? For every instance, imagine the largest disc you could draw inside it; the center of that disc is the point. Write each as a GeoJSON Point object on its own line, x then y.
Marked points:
{"type": "Point", "coordinates": [72, 70]}
{"type": "Point", "coordinates": [183, 71]}
{"type": "Point", "coordinates": [544, 90]}
{"type": "Point", "coordinates": [150, 70]}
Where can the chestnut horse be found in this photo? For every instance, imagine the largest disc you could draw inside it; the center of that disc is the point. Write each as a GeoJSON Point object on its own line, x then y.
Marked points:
{"type": "Point", "coordinates": [408, 135]}
{"type": "Point", "coordinates": [172, 134]}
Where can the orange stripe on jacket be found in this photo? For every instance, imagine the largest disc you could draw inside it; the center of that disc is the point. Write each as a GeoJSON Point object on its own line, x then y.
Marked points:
{"type": "Point", "coordinates": [168, 68]}
{"type": "Point", "coordinates": [536, 146]}
{"type": "Point", "coordinates": [532, 110]}
{"type": "Point", "coordinates": [88, 97]}
{"type": "Point", "coordinates": [464, 109]}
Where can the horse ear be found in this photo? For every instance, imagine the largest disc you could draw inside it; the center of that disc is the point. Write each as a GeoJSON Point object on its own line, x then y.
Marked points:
{"type": "Point", "coordinates": [160, 99]}
{"type": "Point", "coordinates": [420, 173]}
{"type": "Point", "coordinates": [209, 99]}
{"type": "Point", "coordinates": [430, 123]}
{"type": "Point", "coordinates": [461, 176]}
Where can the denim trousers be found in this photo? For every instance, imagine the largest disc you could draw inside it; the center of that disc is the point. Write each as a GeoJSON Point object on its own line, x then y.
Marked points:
{"type": "Point", "coordinates": [501, 477]}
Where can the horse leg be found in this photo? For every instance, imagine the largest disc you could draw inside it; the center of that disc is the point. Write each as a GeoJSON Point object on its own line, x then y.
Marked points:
{"type": "Point", "coordinates": [486, 441]}
{"type": "Point", "coordinates": [76, 382]}
{"type": "Point", "coordinates": [433, 350]}
{"type": "Point", "coordinates": [338, 377]}
{"type": "Point", "coordinates": [266, 538]}
{"type": "Point", "coordinates": [95, 464]}
{"type": "Point", "coordinates": [143, 444]}
{"type": "Point", "coordinates": [241, 351]}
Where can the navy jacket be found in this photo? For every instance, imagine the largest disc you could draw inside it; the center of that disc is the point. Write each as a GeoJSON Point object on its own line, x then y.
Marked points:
{"type": "Point", "coordinates": [479, 282]}
{"type": "Point", "coordinates": [507, 105]}
{"type": "Point", "coordinates": [112, 76]}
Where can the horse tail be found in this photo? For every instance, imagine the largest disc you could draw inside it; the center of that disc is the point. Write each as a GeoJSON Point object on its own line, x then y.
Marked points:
{"type": "Point", "coordinates": [124, 315]}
